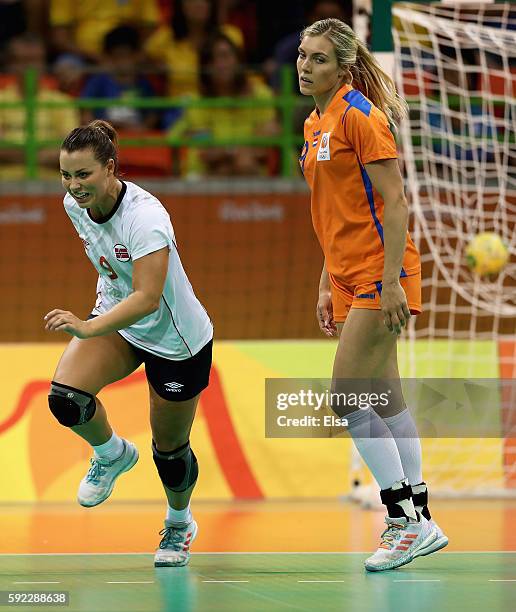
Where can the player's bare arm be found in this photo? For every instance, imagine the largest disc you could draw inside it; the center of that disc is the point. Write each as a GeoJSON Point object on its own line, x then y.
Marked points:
{"type": "Point", "coordinates": [324, 305]}
{"type": "Point", "coordinates": [149, 275]}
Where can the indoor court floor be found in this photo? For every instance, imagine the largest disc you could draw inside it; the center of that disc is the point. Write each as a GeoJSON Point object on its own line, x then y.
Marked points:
{"type": "Point", "coordinates": [254, 556]}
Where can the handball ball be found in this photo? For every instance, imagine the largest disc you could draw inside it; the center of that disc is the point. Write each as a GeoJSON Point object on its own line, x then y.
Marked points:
{"type": "Point", "coordinates": [487, 254]}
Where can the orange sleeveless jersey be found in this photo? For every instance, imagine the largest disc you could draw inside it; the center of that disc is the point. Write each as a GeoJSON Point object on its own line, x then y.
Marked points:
{"type": "Point", "coordinates": [347, 211]}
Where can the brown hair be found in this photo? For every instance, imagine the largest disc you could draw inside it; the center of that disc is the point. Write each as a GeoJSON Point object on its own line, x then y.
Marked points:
{"type": "Point", "coordinates": [100, 136]}
{"type": "Point", "coordinates": [239, 84]}
{"type": "Point", "coordinates": [368, 76]}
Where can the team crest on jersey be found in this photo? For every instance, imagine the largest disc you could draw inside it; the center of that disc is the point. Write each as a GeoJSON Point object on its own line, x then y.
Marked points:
{"type": "Point", "coordinates": [323, 153]}
{"type": "Point", "coordinates": [121, 252]}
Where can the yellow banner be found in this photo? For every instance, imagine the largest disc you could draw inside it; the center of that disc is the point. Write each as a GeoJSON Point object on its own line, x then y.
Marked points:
{"type": "Point", "coordinates": [41, 460]}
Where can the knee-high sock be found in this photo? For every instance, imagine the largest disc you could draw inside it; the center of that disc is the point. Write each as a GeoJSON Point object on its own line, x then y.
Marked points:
{"type": "Point", "coordinates": [376, 446]}
{"type": "Point", "coordinates": [405, 434]}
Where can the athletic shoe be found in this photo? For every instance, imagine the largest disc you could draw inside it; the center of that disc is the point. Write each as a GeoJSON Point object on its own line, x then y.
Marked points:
{"type": "Point", "coordinates": [98, 483]}
{"type": "Point", "coordinates": [400, 541]}
{"type": "Point", "coordinates": [440, 542]}
{"type": "Point", "coordinates": [174, 548]}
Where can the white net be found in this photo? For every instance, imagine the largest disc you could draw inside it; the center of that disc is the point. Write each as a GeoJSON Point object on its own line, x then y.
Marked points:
{"type": "Point", "coordinates": [456, 67]}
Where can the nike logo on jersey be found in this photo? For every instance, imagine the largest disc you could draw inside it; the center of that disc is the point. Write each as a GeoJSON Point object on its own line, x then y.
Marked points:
{"type": "Point", "coordinates": [173, 386]}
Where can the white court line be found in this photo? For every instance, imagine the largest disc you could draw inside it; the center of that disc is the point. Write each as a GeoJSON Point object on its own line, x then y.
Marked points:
{"type": "Point", "coordinates": [265, 552]}
{"type": "Point", "coordinates": [418, 580]}
{"type": "Point", "coordinates": [511, 580]}
{"type": "Point", "coordinates": [33, 582]}
{"type": "Point", "coordinates": [318, 581]}
{"type": "Point", "coordinates": [223, 581]}
{"type": "Point", "coordinates": [129, 581]}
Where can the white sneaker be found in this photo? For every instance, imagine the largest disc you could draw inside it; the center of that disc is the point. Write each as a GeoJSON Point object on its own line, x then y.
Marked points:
{"type": "Point", "coordinates": [440, 542]}
{"type": "Point", "coordinates": [400, 541]}
{"type": "Point", "coordinates": [98, 483]}
{"type": "Point", "coordinates": [174, 548]}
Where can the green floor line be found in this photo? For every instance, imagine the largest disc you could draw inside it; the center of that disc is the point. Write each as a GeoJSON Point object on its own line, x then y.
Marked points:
{"type": "Point", "coordinates": [267, 582]}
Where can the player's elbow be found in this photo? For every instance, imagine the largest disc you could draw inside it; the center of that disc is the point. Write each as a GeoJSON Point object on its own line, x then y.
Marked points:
{"type": "Point", "coordinates": [149, 303]}
{"type": "Point", "coordinates": [152, 306]}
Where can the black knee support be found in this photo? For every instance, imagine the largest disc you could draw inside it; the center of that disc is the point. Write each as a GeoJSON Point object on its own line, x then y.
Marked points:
{"type": "Point", "coordinates": [71, 406]}
{"type": "Point", "coordinates": [177, 469]}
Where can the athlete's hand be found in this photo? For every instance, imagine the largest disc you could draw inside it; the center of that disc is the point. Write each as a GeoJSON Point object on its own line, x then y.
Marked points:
{"type": "Point", "coordinates": [324, 315]}
{"type": "Point", "coordinates": [396, 313]}
{"type": "Point", "coordinates": [63, 320]}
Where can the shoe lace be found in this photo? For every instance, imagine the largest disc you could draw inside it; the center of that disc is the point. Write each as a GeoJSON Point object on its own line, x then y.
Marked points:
{"type": "Point", "coordinates": [95, 472]}
{"type": "Point", "coordinates": [172, 538]}
{"type": "Point", "coordinates": [391, 535]}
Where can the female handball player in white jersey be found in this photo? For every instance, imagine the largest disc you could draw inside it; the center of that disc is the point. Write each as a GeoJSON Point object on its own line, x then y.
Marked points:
{"type": "Point", "coordinates": [146, 312]}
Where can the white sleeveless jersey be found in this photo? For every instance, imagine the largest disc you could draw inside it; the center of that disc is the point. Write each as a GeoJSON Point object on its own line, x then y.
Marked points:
{"type": "Point", "coordinates": [139, 225]}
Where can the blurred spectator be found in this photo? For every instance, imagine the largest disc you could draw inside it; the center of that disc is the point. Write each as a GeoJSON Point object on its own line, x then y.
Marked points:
{"type": "Point", "coordinates": [68, 70]}
{"type": "Point", "coordinates": [13, 20]}
{"type": "Point", "coordinates": [277, 19]}
{"type": "Point", "coordinates": [23, 52]}
{"type": "Point", "coordinates": [178, 45]}
{"type": "Point", "coordinates": [222, 74]}
{"type": "Point", "coordinates": [20, 16]}
{"type": "Point", "coordinates": [242, 15]}
{"type": "Point", "coordinates": [285, 51]}
{"type": "Point", "coordinates": [79, 26]}
{"type": "Point", "coordinates": [121, 78]}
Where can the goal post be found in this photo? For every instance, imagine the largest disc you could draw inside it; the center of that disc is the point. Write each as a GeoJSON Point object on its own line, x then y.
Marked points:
{"type": "Point", "coordinates": [455, 64]}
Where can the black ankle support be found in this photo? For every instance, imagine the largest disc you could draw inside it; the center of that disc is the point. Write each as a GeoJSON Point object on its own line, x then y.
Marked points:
{"type": "Point", "coordinates": [392, 497]}
{"type": "Point", "coordinates": [421, 500]}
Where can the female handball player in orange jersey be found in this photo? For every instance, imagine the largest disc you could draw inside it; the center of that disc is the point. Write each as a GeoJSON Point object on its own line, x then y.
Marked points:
{"type": "Point", "coordinates": [371, 279]}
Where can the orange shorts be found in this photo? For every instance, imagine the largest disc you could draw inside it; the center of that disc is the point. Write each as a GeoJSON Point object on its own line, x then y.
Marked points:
{"type": "Point", "coordinates": [368, 296]}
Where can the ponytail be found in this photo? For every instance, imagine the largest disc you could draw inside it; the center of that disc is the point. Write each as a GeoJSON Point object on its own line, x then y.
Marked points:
{"type": "Point", "coordinates": [368, 76]}
{"type": "Point", "coordinates": [377, 85]}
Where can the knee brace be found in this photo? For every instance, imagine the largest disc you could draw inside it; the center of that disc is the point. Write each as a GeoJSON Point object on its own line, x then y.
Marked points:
{"type": "Point", "coordinates": [70, 406]}
{"type": "Point", "coordinates": [177, 469]}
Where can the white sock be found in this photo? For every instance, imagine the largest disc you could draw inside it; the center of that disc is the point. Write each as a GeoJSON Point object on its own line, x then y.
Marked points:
{"type": "Point", "coordinates": [407, 440]}
{"type": "Point", "coordinates": [376, 446]}
{"type": "Point", "coordinates": [110, 450]}
{"type": "Point", "coordinates": [179, 516]}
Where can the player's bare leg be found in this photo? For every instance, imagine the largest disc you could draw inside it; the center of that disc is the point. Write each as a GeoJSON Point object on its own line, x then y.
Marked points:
{"type": "Point", "coordinates": [405, 434]}
{"type": "Point", "coordinates": [86, 367]}
{"type": "Point", "coordinates": [364, 335]}
{"type": "Point", "coordinates": [171, 423]}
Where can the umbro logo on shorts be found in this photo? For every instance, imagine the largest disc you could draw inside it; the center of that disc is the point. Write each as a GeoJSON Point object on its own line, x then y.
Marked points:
{"type": "Point", "coordinates": [173, 386]}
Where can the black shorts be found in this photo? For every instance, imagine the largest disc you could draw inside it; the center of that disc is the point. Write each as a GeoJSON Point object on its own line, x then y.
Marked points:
{"type": "Point", "coordinates": [177, 381]}
{"type": "Point", "coordinates": [172, 380]}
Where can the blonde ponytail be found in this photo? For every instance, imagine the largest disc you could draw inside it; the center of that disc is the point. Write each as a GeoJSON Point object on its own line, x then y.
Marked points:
{"type": "Point", "coordinates": [377, 85]}
{"type": "Point", "coordinates": [368, 76]}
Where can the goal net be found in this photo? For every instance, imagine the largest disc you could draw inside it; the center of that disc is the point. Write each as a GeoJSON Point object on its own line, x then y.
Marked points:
{"type": "Point", "coordinates": [456, 67]}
